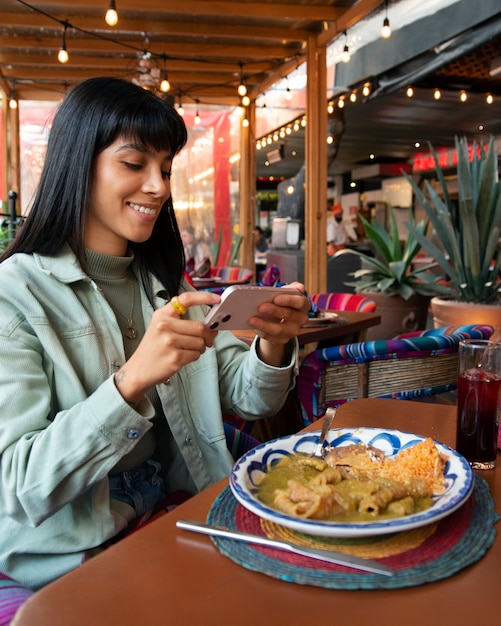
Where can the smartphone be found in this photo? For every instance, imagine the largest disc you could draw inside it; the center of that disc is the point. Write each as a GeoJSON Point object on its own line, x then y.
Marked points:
{"type": "Point", "coordinates": [239, 303]}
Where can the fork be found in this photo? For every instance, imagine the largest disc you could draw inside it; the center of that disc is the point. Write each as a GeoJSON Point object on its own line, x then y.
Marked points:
{"type": "Point", "coordinates": [326, 424]}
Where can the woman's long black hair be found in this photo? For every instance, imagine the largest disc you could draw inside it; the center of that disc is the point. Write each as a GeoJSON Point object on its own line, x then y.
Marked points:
{"type": "Point", "coordinates": [92, 116]}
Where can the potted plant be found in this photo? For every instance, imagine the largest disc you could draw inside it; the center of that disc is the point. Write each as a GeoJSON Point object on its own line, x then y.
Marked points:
{"type": "Point", "coordinates": [468, 233]}
{"type": "Point", "coordinates": [402, 289]}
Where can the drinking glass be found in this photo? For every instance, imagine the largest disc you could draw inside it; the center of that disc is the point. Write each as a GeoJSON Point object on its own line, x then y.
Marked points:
{"type": "Point", "coordinates": [479, 401]}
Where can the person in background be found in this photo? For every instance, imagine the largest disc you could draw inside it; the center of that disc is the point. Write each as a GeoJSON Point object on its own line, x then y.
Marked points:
{"type": "Point", "coordinates": [336, 234]}
{"type": "Point", "coordinates": [113, 387]}
{"type": "Point", "coordinates": [260, 243]}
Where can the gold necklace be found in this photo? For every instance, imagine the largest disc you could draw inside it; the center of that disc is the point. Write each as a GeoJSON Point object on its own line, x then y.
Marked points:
{"type": "Point", "coordinates": [130, 331]}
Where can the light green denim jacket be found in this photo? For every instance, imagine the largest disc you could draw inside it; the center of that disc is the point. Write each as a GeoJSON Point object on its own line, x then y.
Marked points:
{"type": "Point", "coordinates": [64, 426]}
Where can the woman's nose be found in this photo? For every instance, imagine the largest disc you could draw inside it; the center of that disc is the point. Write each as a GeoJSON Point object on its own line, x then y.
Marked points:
{"type": "Point", "coordinates": [156, 182]}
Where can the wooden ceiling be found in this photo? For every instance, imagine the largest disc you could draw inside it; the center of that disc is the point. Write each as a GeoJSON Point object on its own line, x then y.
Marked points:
{"type": "Point", "coordinates": [205, 46]}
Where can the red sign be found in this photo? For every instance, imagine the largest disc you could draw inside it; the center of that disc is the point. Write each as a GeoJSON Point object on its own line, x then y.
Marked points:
{"type": "Point", "coordinates": [446, 158]}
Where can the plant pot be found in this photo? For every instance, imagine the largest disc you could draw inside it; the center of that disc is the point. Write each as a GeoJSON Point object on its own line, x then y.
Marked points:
{"type": "Point", "coordinates": [398, 315]}
{"type": "Point", "coordinates": [454, 313]}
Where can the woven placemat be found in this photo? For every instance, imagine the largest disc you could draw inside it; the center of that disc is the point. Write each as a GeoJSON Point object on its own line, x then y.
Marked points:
{"type": "Point", "coordinates": [418, 556]}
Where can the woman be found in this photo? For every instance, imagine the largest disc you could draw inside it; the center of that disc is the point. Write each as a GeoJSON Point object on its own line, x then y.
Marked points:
{"type": "Point", "coordinates": [112, 385]}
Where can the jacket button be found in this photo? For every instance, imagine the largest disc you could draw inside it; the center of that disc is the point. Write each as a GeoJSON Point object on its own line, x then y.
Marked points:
{"type": "Point", "coordinates": [188, 441]}
{"type": "Point", "coordinates": [134, 433]}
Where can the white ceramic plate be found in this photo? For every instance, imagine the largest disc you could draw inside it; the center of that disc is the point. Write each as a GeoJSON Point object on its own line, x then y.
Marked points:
{"type": "Point", "coordinates": [249, 470]}
{"type": "Point", "coordinates": [323, 318]}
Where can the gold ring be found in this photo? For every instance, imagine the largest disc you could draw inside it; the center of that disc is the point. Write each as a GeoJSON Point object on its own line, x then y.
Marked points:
{"type": "Point", "coordinates": [177, 306]}
{"type": "Point", "coordinates": [282, 321]}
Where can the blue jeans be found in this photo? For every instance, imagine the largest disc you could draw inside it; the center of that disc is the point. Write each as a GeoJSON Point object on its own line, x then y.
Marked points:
{"type": "Point", "coordinates": [141, 488]}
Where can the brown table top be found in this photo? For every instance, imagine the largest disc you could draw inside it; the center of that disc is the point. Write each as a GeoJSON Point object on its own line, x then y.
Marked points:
{"type": "Point", "coordinates": [356, 322]}
{"type": "Point", "coordinates": [163, 575]}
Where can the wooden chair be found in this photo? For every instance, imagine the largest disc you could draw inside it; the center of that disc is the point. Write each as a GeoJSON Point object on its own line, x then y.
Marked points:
{"type": "Point", "coordinates": [411, 366]}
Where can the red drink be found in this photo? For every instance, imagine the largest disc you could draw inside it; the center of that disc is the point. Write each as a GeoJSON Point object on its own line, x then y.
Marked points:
{"type": "Point", "coordinates": [479, 398]}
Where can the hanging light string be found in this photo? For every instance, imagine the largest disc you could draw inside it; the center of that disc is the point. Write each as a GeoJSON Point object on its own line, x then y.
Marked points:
{"type": "Point", "coordinates": [97, 35]}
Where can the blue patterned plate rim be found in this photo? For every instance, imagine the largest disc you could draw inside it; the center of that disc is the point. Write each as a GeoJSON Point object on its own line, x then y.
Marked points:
{"type": "Point", "coordinates": [250, 468]}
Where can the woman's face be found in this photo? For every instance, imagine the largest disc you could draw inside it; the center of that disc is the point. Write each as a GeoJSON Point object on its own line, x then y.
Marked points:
{"type": "Point", "coordinates": [130, 184]}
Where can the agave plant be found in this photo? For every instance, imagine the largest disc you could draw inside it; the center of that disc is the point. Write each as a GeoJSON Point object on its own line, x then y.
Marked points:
{"type": "Point", "coordinates": [469, 231]}
{"type": "Point", "coordinates": [391, 271]}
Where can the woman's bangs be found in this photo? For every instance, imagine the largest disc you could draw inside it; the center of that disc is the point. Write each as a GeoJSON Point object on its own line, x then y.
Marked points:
{"type": "Point", "coordinates": [159, 128]}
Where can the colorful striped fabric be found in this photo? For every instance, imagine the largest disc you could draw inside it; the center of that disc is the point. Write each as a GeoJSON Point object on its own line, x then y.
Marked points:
{"type": "Point", "coordinates": [420, 343]}
{"type": "Point", "coordinates": [343, 302]}
{"type": "Point", "coordinates": [230, 273]}
{"type": "Point", "coordinates": [12, 595]}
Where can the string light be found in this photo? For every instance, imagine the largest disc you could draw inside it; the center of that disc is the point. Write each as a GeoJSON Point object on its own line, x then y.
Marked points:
{"type": "Point", "coordinates": [111, 17]}
{"type": "Point", "coordinates": [437, 94]}
{"type": "Point", "coordinates": [12, 99]}
{"type": "Point", "coordinates": [353, 96]}
{"type": "Point", "coordinates": [463, 96]}
{"type": "Point", "coordinates": [386, 29]}
{"type": "Point", "coordinates": [410, 92]}
{"type": "Point", "coordinates": [63, 56]}
{"type": "Point", "coordinates": [489, 98]}
{"type": "Point", "coordinates": [196, 119]}
{"type": "Point", "coordinates": [245, 101]}
{"type": "Point", "coordinates": [242, 89]}
{"type": "Point", "coordinates": [165, 85]}
{"type": "Point", "coordinates": [346, 50]}
{"type": "Point", "coordinates": [341, 102]}
{"type": "Point", "coordinates": [366, 89]}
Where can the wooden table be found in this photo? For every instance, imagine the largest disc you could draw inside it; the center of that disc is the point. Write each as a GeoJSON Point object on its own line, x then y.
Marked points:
{"type": "Point", "coordinates": [163, 575]}
{"type": "Point", "coordinates": [351, 331]}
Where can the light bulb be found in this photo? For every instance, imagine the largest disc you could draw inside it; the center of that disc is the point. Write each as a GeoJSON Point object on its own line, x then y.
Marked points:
{"type": "Point", "coordinates": [346, 54]}
{"type": "Point", "coordinates": [463, 96]}
{"type": "Point", "coordinates": [366, 89]}
{"type": "Point", "coordinates": [409, 92]}
{"type": "Point", "coordinates": [437, 94]}
{"type": "Point", "coordinates": [245, 122]}
{"type": "Point", "coordinates": [386, 30]}
{"type": "Point", "coordinates": [489, 98]}
{"type": "Point", "coordinates": [180, 110]}
{"type": "Point", "coordinates": [165, 85]}
{"type": "Point", "coordinates": [12, 103]}
{"type": "Point", "coordinates": [111, 17]}
{"type": "Point", "coordinates": [341, 103]}
{"type": "Point", "coordinates": [353, 96]}
{"type": "Point", "coordinates": [63, 56]}
{"type": "Point", "coordinates": [196, 119]}
{"type": "Point", "coordinates": [245, 101]}
{"type": "Point", "coordinates": [242, 89]}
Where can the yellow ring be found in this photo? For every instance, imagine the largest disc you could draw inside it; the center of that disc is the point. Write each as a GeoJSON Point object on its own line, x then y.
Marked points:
{"type": "Point", "coordinates": [282, 321]}
{"type": "Point", "coordinates": [177, 306]}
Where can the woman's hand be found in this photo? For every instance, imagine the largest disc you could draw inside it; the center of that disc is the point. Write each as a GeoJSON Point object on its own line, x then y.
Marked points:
{"type": "Point", "coordinates": [169, 343]}
{"type": "Point", "coordinates": [292, 313]}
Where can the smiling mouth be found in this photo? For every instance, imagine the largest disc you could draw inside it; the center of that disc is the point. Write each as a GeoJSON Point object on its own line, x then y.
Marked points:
{"type": "Point", "coordinates": [142, 209]}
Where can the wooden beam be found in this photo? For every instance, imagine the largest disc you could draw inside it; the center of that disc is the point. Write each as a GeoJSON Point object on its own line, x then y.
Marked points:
{"type": "Point", "coordinates": [158, 27]}
{"type": "Point", "coordinates": [207, 8]}
{"type": "Point", "coordinates": [315, 258]}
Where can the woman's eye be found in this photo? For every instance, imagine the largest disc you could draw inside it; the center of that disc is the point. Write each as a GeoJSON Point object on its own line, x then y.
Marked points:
{"type": "Point", "coordinates": [132, 166]}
